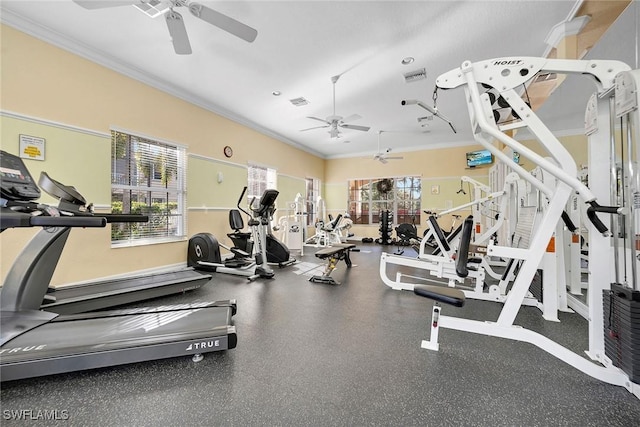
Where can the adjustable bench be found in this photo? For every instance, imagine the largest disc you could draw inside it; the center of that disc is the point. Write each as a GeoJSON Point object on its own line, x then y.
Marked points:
{"type": "Point", "coordinates": [335, 253]}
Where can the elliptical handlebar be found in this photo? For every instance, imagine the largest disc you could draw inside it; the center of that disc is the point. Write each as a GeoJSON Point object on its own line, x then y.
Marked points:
{"type": "Point", "coordinates": [266, 203]}
{"type": "Point", "coordinates": [244, 191]}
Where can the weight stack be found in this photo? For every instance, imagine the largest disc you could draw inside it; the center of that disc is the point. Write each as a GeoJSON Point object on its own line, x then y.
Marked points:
{"type": "Point", "coordinates": [622, 329]}
{"type": "Point", "coordinates": [386, 228]}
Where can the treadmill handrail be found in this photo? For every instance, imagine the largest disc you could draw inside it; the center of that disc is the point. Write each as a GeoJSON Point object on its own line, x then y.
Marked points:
{"type": "Point", "coordinates": [68, 221]}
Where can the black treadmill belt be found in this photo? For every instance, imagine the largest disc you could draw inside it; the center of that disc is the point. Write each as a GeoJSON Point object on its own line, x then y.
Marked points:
{"type": "Point", "coordinates": [100, 295]}
{"type": "Point", "coordinates": [71, 345]}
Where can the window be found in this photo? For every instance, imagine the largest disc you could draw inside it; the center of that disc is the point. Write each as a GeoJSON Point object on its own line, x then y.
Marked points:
{"type": "Point", "coordinates": [313, 191]}
{"type": "Point", "coordinates": [369, 197]}
{"type": "Point", "coordinates": [147, 177]}
{"type": "Point", "coordinates": [259, 179]}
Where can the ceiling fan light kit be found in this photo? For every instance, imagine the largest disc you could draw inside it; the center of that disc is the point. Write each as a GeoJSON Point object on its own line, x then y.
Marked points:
{"type": "Point", "coordinates": [384, 157]}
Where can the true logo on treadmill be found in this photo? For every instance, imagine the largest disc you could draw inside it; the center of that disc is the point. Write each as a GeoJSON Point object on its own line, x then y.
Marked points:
{"type": "Point", "coordinates": [508, 62]}
{"type": "Point", "coordinates": [201, 345]}
{"type": "Point", "coordinates": [22, 349]}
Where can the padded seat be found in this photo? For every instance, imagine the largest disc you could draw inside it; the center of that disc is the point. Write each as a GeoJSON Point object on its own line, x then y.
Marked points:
{"type": "Point", "coordinates": [441, 294]}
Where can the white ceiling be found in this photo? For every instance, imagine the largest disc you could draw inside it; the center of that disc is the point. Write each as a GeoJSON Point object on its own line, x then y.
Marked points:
{"type": "Point", "coordinates": [302, 44]}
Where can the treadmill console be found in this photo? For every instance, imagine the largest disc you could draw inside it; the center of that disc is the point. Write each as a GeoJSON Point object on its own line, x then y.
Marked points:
{"type": "Point", "coordinates": [16, 182]}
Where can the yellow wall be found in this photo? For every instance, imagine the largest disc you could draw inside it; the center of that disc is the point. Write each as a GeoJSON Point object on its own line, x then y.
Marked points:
{"type": "Point", "coordinates": [442, 168]}
{"type": "Point", "coordinates": [87, 99]}
{"type": "Point", "coordinates": [79, 94]}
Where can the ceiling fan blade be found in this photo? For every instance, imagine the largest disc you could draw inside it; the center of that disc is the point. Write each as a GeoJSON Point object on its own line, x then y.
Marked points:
{"type": "Point", "coordinates": [224, 22]}
{"type": "Point", "coordinates": [352, 118]}
{"type": "Point", "coordinates": [383, 160]}
{"type": "Point", "coordinates": [101, 4]}
{"type": "Point", "coordinates": [178, 32]}
{"type": "Point", "coordinates": [319, 119]}
{"type": "Point", "coordinates": [394, 158]}
{"type": "Point", "coordinates": [316, 127]}
{"type": "Point", "coordinates": [355, 127]}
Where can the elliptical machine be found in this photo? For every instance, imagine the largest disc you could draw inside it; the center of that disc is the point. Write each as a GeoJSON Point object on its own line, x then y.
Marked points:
{"type": "Point", "coordinates": [266, 244]}
{"type": "Point", "coordinates": [203, 252]}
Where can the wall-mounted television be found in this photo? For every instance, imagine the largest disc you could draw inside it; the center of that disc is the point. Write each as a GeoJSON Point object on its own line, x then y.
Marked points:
{"type": "Point", "coordinates": [478, 158]}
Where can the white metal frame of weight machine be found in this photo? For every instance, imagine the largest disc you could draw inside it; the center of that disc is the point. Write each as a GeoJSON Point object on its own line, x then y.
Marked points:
{"type": "Point", "coordinates": [442, 265]}
{"type": "Point", "coordinates": [506, 75]}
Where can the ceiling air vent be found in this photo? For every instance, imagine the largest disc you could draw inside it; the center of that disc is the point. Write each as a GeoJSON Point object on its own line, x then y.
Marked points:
{"type": "Point", "coordinates": [415, 75]}
{"type": "Point", "coordinates": [151, 8]}
{"type": "Point", "coordinates": [299, 102]}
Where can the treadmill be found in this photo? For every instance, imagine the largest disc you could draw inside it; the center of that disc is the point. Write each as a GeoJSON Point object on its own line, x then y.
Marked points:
{"type": "Point", "coordinates": [34, 342]}
{"type": "Point", "coordinates": [94, 295]}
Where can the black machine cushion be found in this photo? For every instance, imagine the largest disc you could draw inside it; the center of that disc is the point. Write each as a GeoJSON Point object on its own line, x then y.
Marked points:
{"type": "Point", "coordinates": [441, 294]}
{"type": "Point", "coordinates": [235, 220]}
{"type": "Point", "coordinates": [335, 249]}
{"type": "Point", "coordinates": [407, 231]}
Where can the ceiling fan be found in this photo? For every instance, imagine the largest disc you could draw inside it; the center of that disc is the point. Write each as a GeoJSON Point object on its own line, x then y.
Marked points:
{"type": "Point", "coordinates": [384, 156]}
{"type": "Point", "coordinates": [335, 122]}
{"type": "Point", "coordinates": [175, 22]}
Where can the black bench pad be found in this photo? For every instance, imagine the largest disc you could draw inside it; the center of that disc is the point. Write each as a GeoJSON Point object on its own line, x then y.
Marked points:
{"type": "Point", "coordinates": [336, 248]}
{"type": "Point", "coordinates": [441, 294]}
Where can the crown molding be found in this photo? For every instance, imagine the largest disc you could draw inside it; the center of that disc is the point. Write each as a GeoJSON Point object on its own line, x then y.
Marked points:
{"type": "Point", "coordinates": [564, 29]}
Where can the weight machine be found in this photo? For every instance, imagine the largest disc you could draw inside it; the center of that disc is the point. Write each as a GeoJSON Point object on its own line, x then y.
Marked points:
{"type": "Point", "coordinates": [440, 262]}
{"type": "Point", "coordinates": [293, 226]}
{"type": "Point", "coordinates": [617, 97]}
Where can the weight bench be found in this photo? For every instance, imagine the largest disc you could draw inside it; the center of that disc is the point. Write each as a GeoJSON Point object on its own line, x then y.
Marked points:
{"type": "Point", "coordinates": [335, 253]}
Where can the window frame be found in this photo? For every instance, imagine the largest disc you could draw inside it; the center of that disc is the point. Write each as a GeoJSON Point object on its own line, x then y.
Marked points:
{"type": "Point", "coordinates": [270, 180]}
{"type": "Point", "coordinates": [154, 193]}
{"type": "Point", "coordinates": [311, 198]}
{"type": "Point", "coordinates": [364, 201]}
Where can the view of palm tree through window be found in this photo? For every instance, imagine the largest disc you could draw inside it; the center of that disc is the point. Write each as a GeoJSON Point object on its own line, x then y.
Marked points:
{"type": "Point", "coordinates": [147, 178]}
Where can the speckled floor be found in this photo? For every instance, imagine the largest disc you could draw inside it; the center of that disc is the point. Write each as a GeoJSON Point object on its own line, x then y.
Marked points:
{"type": "Point", "coordinates": [348, 355]}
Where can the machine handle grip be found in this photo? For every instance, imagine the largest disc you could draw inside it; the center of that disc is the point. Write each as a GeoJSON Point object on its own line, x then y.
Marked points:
{"type": "Point", "coordinates": [68, 221]}
{"type": "Point", "coordinates": [591, 214]}
{"type": "Point", "coordinates": [567, 221]}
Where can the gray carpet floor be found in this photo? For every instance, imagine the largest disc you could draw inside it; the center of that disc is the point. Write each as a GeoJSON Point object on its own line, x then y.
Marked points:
{"type": "Point", "coordinates": [346, 355]}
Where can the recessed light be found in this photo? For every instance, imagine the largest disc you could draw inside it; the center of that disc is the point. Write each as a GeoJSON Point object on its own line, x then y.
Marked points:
{"type": "Point", "coordinates": [408, 60]}
{"type": "Point", "coordinates": [276, 93]}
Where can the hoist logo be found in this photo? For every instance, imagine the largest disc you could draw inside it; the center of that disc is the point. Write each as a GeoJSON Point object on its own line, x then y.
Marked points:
{"type": "Point", "coordinates": [509, 62]}
{"type": "Point", "coordinates": [198, 251]}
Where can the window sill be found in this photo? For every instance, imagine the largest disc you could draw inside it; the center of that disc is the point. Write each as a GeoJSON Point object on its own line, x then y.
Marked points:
{"type": "Point", "coordinates": [146, 242]}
